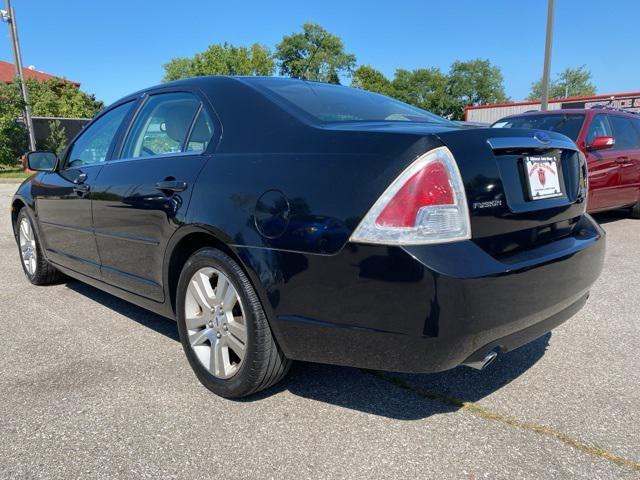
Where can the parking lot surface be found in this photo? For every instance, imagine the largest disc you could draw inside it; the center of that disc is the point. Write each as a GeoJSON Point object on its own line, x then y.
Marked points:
{"type": "Point", "coordinates": [94, 387]}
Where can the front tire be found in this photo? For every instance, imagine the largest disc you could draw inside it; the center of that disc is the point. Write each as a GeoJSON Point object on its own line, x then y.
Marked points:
{"type": "Point", "coordinates": [635, 210]}
{"type": "Point", "coordinates": [223, 327]}
{"type": "Point", "coordinates": [34, 265]}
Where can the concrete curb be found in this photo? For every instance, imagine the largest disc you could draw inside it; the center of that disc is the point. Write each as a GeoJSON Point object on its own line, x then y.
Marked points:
{"type": "Point", "coordinates": [12, 180]}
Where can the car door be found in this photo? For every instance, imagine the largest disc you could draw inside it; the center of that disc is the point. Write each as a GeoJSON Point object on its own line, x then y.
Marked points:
{"type": "Point", "coordinates": [141, 196]}
{"type": "Point", "coordinates": [627, 156]}
{"type": "Point", "coordinates": [64, 197]}
{"type": "Point", "coordinates": [604, 175]}
{"type": "Point", "coordinates": [635, 159]}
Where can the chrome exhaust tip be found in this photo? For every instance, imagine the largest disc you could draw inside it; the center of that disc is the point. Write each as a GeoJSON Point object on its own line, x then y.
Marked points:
{"type": "Point", "coordinates": [481, 364]}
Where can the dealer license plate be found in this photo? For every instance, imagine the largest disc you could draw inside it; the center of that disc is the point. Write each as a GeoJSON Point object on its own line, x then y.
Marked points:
{"type": "Point", "coordinates": [543, 177]}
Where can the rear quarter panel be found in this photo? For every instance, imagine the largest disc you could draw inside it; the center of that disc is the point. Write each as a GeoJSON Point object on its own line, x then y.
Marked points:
{"type": "Point", "coordinates": [324, 194]}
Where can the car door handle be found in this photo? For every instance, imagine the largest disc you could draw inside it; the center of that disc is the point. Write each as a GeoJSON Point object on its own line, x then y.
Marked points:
{"type": "Point", "coordinates": [622, 160]}
{"type": "Point", "coordinates": [171, 186]}
{"type": "Point", "coordinates": [81, 188]}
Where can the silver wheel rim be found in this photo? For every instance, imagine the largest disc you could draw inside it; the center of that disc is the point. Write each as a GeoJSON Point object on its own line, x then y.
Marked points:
{"type": "Point", "coordinates": [215, 321]}
{"type": "Point", "coordinates": [28, 247]}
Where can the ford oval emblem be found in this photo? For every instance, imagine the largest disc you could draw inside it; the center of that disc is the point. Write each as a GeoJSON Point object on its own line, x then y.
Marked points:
{"type": "Point", "coordinates": [542, 137]}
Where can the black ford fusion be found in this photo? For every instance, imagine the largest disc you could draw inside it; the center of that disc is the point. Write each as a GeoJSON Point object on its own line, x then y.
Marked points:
{"type": "Point", "coordinates": [279, 220]}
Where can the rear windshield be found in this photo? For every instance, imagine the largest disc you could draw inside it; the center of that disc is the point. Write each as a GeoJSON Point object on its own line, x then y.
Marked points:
{"type": "Point", "coordinates": [566, 124]}
{"type": "Point", "coordinates": [335, 103]}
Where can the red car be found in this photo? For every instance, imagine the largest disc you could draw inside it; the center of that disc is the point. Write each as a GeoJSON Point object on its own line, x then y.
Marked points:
{"type": "Point", "coordinates": [610, 139]}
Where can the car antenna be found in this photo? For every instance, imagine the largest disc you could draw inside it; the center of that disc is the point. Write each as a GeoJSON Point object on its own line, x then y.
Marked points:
{"type": "Point", "coordinates": [309, 60]}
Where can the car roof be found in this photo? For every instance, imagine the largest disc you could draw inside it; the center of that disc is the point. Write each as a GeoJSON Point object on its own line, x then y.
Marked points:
{"type": "Point", "coordinates": [209, 79]}
{"type": "Point", "coordinates": [205, 81]}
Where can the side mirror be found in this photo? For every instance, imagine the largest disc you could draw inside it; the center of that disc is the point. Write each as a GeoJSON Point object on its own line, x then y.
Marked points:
{"type": "Point", "coordinates": [601, 143]}
{"type": "Point", "coordinates": [42, 161]}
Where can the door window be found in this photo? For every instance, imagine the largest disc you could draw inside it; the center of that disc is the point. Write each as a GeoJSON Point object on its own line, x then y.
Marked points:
{"type": "Point", "coordinates": [599, 128]}
{"type": "Point", "coordinates": [93, 144]}
{"type": "Point", "coordinates": [626, 136]}
{"type": "Point", "coordinates": [201, 133]}
{"type": "Point", "coordinates": [162, 125]}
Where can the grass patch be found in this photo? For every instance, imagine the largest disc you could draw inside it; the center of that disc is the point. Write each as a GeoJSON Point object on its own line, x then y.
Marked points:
{"type": "Point", "coordinates": [13, 172]}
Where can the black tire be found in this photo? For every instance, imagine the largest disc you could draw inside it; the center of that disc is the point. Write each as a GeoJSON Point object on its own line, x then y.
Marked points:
{"type": "Point", "coordinates": [264, 363]}
{"type": "Point", "coordinates": [44, 273]}
{"type": "Point", "coordinates": [635, 210]}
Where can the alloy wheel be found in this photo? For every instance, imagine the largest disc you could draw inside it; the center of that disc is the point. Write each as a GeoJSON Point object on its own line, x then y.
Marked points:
{"type": "Point", "coordinates": [28, 249]}
{"type": "Point", "coordinates": [216, 323]}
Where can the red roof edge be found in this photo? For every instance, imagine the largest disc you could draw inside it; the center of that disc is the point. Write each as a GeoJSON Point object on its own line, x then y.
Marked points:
{"type": "Point", "coordinates": [8, 73]}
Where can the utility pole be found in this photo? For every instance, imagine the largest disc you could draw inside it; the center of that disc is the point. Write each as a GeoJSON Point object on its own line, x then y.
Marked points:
{"type": "Point", "coordinates": [9, 16]}
{"type": "Point", "coordinates": [547, 55]}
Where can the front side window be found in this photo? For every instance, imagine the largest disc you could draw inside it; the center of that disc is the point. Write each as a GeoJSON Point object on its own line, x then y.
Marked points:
{"type": "Point", "coordinates": [162, 125]}
{"type": "Point", "coordinates": [599, 128]}
{"type": "Point", "coordinates": [624, 133]}
{"type": "Point", "coordinates": [93, 145]}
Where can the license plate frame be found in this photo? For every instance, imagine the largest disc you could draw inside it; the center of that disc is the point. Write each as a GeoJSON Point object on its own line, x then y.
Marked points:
{"type": "Point", "coordinates": [543, 177]}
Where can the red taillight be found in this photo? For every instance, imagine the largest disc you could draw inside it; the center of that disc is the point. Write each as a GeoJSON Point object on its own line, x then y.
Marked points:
{"type": "Point", "coordinates": [430, 186]}
{"type": "Point", "coordinates": [426, 204]}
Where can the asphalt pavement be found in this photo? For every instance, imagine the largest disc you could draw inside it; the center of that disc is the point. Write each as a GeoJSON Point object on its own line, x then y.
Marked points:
{"type": "Point", "coordinates": [94, 387]}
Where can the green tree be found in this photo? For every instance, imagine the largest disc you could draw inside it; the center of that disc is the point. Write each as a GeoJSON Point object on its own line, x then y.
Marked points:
{"type": "Point", "coordinates": [57, 139]}
{"type": "Point", "coordinates": [314, 54]}
{"type": "Point", "coordinates": [426, 88]}
{"type": "Point", "coordinates": [59, 98]}
{"type": "Point", "coordinates": [572, 82]}
{"type": "Point", "coordinates": [51, 98]}
{"type": "Point", "coordinates": [368, 78]}
{"type": "Point", "coordinates": [177, 68]}
{"type": "Point", "coordinates": [222, 59]}
{"type": "Point", "coordinates": [13, 135]}
{"type": "Point", "coordinates": [475, 82]}
{"type": "Point", "coordinates": [468, 83]}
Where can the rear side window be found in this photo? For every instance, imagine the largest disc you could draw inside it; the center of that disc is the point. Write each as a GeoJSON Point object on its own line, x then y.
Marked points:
{"type": "Point", "coordinates": [335, 103]}
{"type": "Point", "coordinates": [599, 128]}
{"type": "Point", "coordinates": [93, 144]}
{"type": "Point", "coordinates": [162, 125]}
{"type": "Point", "coordinates": [626, 136]}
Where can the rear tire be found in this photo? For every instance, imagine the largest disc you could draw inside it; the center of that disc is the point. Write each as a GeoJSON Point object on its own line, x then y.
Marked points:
{"type": "Point", "coordinates": [37, 269]}
{"type": "Point", "coordinates": [223, 328]}
{"type": "Point", "coordinates": [635, 210]}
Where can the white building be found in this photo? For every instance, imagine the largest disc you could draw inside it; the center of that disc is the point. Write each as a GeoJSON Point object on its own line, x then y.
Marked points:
{"type": "Point", "coordinates": [493, 112]}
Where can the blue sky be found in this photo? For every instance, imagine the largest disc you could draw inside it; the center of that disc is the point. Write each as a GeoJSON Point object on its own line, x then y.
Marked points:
{"type": "Point", "coordinates": [115, 47]}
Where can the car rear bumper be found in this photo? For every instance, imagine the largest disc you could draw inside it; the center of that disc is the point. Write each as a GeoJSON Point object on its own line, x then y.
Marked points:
{"type": "Point", "coordinates": [428, 308]}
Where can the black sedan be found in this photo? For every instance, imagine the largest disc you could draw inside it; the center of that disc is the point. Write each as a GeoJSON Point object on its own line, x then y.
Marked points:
{"type": "Point", "coordinates": [279, 219]}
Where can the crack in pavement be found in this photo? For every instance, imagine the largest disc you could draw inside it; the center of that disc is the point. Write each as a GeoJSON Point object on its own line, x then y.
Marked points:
{"type": "Point", "coordinates": [487, 414]}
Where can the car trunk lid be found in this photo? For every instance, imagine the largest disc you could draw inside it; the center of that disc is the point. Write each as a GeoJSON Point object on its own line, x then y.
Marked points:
{"type": "Point", "coordinates": [523, 187]}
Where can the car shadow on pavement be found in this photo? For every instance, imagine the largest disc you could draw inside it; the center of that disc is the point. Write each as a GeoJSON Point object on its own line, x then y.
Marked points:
{"type": "Point", "coordinates": [611, 216]}
{"type": "Point", "coordinates": [144, 317]}
{"type": "Point", "coordinates": [408, 396]}
{"type": "Point", "coordinates": [393, 395]}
